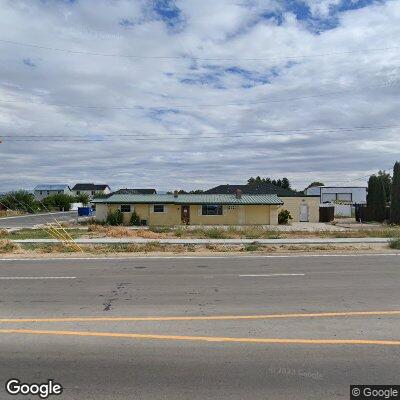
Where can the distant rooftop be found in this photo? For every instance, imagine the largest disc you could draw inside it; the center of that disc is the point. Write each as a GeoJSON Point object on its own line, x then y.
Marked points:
{"type": "Point", "coordinates": [52, 187]}
{"type": "Point", "coordinates": [89, 186]}
{"type": "Point", "coordinates": [135, 191]}
{"type": "Point", "coordinates": [261, 188]}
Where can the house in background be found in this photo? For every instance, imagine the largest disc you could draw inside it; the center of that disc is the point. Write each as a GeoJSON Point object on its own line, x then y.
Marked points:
{"type": "Point", "coordinates": [90, 189]}
{"type": "Point", "coordinates": [342, 197]}
{"type": "Point", "coordinates": [135, 191]}
{"type": "Point", "coordinates": [302, 208]}
{"type": "Point", "coordinates": [43, 191]}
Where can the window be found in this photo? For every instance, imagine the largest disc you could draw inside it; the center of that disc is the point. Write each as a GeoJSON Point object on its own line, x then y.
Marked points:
{"type": "Point", "coordinates": [344, 196]}
{"type": "Point", "coordinates": [93, 192]}
{"type": "Point", "coordinates": [158, 208]}
{"type": "Point", "coordinates": [328, 197]}
{"type": "Point", "coordinates": [78, 192]}
{"type": "Point", "coordinates": [211, 209]}
{"type": "Point", "coordinates": [231, 207]}
{"type": "Point", "coordinates": [125, 208]}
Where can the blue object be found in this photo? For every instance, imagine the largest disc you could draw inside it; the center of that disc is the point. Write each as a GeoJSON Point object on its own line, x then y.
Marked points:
{"type": "Point", "coordinates": [85, 211]}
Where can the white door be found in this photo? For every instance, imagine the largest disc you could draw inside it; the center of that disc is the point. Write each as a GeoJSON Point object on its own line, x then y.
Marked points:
{"type": "Point", "coordinates": [303, 213]}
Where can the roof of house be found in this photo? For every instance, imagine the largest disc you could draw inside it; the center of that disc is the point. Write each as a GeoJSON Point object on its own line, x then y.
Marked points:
{"type": "Point", "coordinates": [258, 199]}
{"type": "Point", "coordinates": [51, 187]}
{"type": "Point", "coordinates": [262, 188]}
{"type": "Point", "coordinates": [89, 186]}
{"type": "Point", "coordinates": [135, 191]}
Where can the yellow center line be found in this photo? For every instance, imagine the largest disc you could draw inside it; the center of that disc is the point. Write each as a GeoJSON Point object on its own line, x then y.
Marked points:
{"type": "Point", "coordinates": [206, 338]}
{"type": "Point", "coordinates": [204, 318]}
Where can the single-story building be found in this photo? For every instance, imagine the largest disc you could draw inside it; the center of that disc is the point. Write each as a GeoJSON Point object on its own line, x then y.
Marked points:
{"type": "Point", "coordinates": [90, 189]}
{"type": "Point", "coordinates": [43, 191]}
{"type": "Point", "coordinates": [302, 208]}
{"type": "Point", "coordinates": [204, 209]}
{"type": "Point", "coordinates": [342, 198]}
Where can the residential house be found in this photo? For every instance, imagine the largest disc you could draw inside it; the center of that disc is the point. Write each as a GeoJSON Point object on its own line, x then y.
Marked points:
{"type": "Point", "coordinates": [90, 189]}
{"type": "Point", "coordinates": [43, 191]}
{"type": "Point", "coordinates": [342, 197]}
{"type": "Point", "coordinates": [197, 209]}
{"type": "Point", "coordinates": [135, 191]}
{"type": "Point", "coordinates": [302, 208]}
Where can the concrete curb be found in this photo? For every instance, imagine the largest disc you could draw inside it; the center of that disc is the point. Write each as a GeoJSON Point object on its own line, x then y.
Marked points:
{"type": "Point", "coordinates": [212, 241]}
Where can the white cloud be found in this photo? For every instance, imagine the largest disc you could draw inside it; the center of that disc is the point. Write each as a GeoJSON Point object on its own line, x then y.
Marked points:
{"type": "Point", "coordinates": [211, 29]}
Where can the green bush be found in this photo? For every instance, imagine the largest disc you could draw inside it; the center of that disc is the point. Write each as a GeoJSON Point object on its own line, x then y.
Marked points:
{"type": "Point", "coordinates": [135, 219]}
{"type": "Point", "coordinates": [82, 198]}
{"type": "Point", "coordinates": [59, 201]}
{"type": "Point", "coordinates": [252, 246]}
{"type": "Point", "coordinates": [115, 218]}
{"type": "Point", "coordinates": [394, 243]}
{"type": "Point", "coordinates": [20, 200]}
{"type": "Point", "coordinates": [284, 217]}
{"type": "Point", "coordinates": [215, 233]}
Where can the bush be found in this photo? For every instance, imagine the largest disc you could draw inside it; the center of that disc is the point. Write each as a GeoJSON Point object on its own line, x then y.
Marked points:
{"type": "Point", "coordinates": [115, 218]}
{"type": "Point", "coordinates": [59, 201]}
{"type": "Point", "coordinates": [284, 217]}
{"type": "Point", "coordinates": [82, 198]}
{"type": "Point", "coordinates": [135, 220]}
{"type": "Point", "coordinates": [395, 243]}
{"type": "Point", "coordinates": [20, 200]}
{"type": "Point", "coordinates": [252, 246]}
{"type": "Point", "coordinates": [6, 246]}
{"type": "Point", "coordinates": [215, 233]}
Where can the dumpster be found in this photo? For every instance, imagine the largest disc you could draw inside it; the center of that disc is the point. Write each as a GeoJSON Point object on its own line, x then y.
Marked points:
{"type": "Point", "coordinates": [85, 211]}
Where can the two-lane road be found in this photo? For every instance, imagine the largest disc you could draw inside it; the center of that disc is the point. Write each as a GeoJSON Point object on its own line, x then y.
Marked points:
{"type": "Point", "coordinates": [202, 328]}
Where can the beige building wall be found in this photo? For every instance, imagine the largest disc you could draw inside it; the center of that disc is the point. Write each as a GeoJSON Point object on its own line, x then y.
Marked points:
{"type": "Point", "coordinates": [292, 204]}
{"type": "Point", "coordinates": [232, 214]}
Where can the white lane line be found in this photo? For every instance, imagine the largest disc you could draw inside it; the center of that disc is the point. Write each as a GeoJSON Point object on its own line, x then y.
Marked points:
{"type": "Point", "coordinates": [8, 278]}
{"type": "Point", "coordinates": [196, 257]}
{"type": "Point", "coordinates": [272, 275]}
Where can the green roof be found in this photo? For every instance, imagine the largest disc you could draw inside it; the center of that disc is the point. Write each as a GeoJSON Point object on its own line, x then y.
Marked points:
{"type": "Point", "coordinates": [255, 199]}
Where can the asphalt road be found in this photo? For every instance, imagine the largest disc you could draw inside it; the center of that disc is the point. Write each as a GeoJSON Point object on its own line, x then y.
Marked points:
{"type": "Point", "coordinates": [29, 221]}
{"type": "Point", "coordinates": [259, 350]}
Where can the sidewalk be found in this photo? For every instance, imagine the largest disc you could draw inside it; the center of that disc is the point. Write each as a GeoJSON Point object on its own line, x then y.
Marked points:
{"type": "Point", "coordinates": [212, 241]}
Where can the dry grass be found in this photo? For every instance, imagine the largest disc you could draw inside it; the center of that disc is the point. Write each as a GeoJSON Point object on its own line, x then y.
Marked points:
{"type": "Point", "coordinates": [7, 246]}
{"type": "Point", "coordinates": [121, 232]}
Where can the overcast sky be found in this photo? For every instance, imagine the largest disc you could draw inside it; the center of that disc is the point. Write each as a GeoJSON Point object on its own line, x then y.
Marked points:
{"type": "Point", "coordinates": [188, 94]}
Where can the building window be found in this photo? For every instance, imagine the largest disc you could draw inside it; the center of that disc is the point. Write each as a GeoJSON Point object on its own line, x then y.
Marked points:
{"type": "Point", "coordinates": [125, 208]}
{"type": "Point", "coordinates": [211, 209]}
{"type": "Point", "coordinates": [231, 207]}
{"type": "Point", "coordinates": [93, 192]}
{"type": "Point", "coordinates": [158, 208]}
{"type": "Point", "coordinates": [328, 197]}
{"type": "Point", "coordinates": [344, 197]}
{"type": "Point", "coordinates": [78, 192]}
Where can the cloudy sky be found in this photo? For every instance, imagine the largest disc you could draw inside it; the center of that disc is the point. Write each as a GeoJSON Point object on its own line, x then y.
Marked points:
{"type": "Point", "coordinates": [192, 93]}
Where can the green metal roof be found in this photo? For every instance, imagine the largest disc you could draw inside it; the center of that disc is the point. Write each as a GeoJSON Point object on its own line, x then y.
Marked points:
{"type": "Point", "coordinates": [255, 199]}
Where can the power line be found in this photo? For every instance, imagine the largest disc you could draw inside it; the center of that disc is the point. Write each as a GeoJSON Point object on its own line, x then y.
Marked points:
{"type": "Point", "coordinates": [159, 107]}
{"type": "Point", "coordinates": [144, 136]}
{"type": "Point", "coordinates": [190, 57]}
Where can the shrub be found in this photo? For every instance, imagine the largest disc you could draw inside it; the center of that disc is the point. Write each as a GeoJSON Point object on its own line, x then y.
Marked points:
{"type": "Point", "coordinates": [252, 246]}
{"type": "Point", "coordinates": [59, 201]}
{"type": "Point", "coordinates": [115, 218]}
{"type": "Point", "coordinates": [82, 198]}
{"type": "Point", "coordinates": [215, 233]}
{"type": "Point", "coordinates": [6, 246]}
{"type": "Point", "coordinates": [135, 219]}
{"type": "Point", "coordinates": [394, 243]}
{"type": "Point", "coordinates": [284, 217]}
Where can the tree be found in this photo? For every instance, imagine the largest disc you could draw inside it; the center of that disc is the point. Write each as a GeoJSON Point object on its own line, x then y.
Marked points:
{"type": "Point", "coordinates": [315, 183]}
{"type": "Point", "coordinates": [135, 219]}
{"type": "Point", "coordinates": [283, 183]}
{"type": "Point", "coordinates": [115, 218]}
{"type": "Point", "coordinates": [376, 200]}
{"type": "Point", "coordinates": [284, 217]}
{"type": "Point", "coordinates": [83, 198]}
{"type": "Point", "coordinates": [395, 195]}
{"type": "Point", "coordinates": [386, 182]}
{"type": "Point", "coordinates": [59, 201]}
{"type": "Point", "coordinates": [20, 200]}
